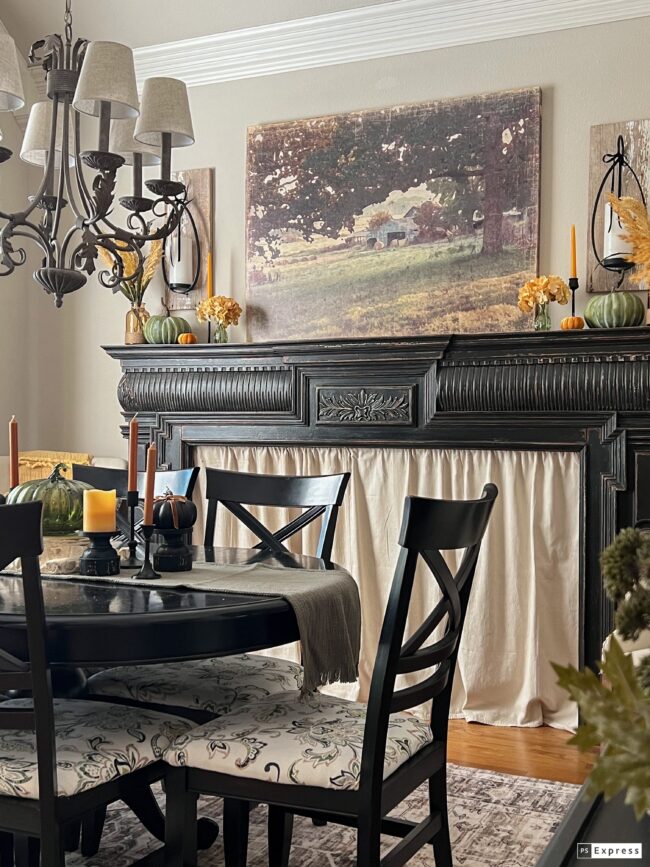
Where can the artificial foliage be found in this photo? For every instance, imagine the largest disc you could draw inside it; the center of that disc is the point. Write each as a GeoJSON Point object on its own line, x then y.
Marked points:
{"type": "Point", "coordinates": [615, 710]}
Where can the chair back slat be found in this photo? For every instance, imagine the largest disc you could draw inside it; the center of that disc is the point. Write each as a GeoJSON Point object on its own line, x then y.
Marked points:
{"type": "Point", "coordinates": [102, 478]}
{"type": "Point", "coordinates": [429, 527]}
{"type": "Point", "coordinates": [21, 537]}
{"type": "Point", "coordinates": [179, 482]}
{"type": "Point", "coordinates": [320, 496]}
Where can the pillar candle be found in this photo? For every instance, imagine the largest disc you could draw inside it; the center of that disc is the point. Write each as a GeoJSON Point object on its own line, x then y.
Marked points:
{"type": "Point", "coordinates": [99, 511]}
{"type": "Point", "coordinates": [149, 485]}
{"type": "Point", "coordinates": [574, 265]}
{"type": "Point", "coordinates": [133, 455]}
{"type": "Point", "coordinates": [209, 276]}
{"type": "Point", "coordinates": [14, 475]}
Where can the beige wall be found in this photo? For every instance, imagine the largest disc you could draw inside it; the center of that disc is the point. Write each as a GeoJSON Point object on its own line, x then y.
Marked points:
{"type": "Point", "coordinates": [590, 75]}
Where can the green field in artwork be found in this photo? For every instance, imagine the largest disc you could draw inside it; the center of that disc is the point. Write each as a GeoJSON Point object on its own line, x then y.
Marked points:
{"type": "Point", "coordinates": [438, 287]}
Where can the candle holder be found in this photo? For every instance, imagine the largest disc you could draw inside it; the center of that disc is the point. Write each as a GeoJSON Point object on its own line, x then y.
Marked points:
{"type": "Point", "coordinates": [100, 558]}
{"type": "Point", "coordinates": [173, 555]}
{"type": "Point", "coordinates": [147, 572]}
{"type": "Point", "coordinates": [132, 562]}
{"type": "Point", "coordinates": [573, 286]}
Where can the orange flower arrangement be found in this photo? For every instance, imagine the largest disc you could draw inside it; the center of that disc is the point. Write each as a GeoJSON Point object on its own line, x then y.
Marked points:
{"type": "Point", "coordinates": [220, 309]}
{"type": "Point", "coordinates": [541, 290]}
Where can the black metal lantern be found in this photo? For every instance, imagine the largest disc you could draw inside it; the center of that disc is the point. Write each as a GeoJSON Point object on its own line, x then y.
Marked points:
{"type": "Point", "coordinates": [181, 263]}
{"type": "Point", "coordinates": [618, 179]}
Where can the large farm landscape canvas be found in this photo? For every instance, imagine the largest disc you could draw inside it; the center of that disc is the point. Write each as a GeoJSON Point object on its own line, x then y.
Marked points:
{"type": "Point", "coordinates": [411, 220]}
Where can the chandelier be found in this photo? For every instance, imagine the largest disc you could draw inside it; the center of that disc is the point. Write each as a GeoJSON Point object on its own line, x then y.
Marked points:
{"type": "Point", "coordinates": [71, 214]}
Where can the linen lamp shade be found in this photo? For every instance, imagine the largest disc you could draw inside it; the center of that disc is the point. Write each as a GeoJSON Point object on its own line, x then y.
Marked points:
{"type": "Point", "coordinates": [123, 143]}
{"type": "Point", "coordinates": [11, 84]}
{"type": "Point", "coordinates": [36, 142]}
{"type": "Point", "coordinates": [107, 75]}
{"type": "Point", "coordinates": [165, 109]}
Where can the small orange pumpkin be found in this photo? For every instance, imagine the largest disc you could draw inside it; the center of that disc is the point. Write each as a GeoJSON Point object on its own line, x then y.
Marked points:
{"type": "Point", "coordinates": [571, 323]}
{"type": "Point", "coordinates": [188, 338]}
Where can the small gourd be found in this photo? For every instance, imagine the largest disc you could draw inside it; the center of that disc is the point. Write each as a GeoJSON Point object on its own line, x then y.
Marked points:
{"type": "Point", "coordinates": [62, 501]}
{"type": "Point", "coordinates": [187, 338]}
{"type": "Point", "coordinates": [572, 323]}
{"type": "Point", "coordinates": [615, 310]}
{"type": "Point", "coordinates": [165, 329]}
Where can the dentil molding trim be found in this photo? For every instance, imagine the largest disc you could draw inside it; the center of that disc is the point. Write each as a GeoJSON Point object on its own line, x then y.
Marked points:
{"type": "Point", "coordinates": [399, 27]}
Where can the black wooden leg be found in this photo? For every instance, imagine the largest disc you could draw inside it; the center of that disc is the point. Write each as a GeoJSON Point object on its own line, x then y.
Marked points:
{"type": "Point", "coordinates": [235, 832]}
{"type": "Point", "coordinates": [6, 849]}
{"type": "Point", "coordinates": [142, 802]}
{"type": "Point", "coordinates": [280, 831]}
{"type": "Point", "coordinates": [368, 841]}
{"type": "Point", "coordinates": [438, 801]}
{"type": "Point", "coordinates": [92, 827]}
{"type": "Point", "coordinates": [27, 851]}
{"type": "Point", "coordinates": [52, 848]}
{"type": "Point", "coordinates": [71, 835]}
{"type": "Point", "coordinates": [181, 826]}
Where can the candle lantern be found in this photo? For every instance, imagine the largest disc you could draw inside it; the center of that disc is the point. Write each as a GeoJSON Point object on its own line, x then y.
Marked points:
{"type": "Point", "coordinates": [613, 252]}
{"type": "Point", "coordinates": [182, 260]}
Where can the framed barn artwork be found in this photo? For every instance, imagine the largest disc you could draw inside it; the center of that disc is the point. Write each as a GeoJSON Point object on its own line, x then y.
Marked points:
{"type": "Point", "coordinates": [411, 220]}
{"type": "Point", "coordinates": [603, 142]}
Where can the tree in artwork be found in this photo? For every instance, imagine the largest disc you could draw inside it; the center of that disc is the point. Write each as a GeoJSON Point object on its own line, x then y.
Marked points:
{"type": "Point", "coordinates": [449, 189]}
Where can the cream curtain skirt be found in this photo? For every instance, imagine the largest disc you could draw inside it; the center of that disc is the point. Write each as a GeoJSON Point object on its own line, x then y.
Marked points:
{"type": "Point", "coordinates": [523, 612]}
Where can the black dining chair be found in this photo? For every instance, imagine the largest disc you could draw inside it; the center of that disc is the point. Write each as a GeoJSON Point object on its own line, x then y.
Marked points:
{"type": "Point", "coordinates": [61, 759]}
{"type": "Point", "coordinates": [340, 761]}
{"type": "Point", "coordinates": [209, 687]}
{"type": "Point", "coordinates": [179, 482]}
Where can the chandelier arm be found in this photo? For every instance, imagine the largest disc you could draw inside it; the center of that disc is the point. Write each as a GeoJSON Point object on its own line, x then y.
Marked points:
{"type": "Point", "coordinates": [61, 185]}
{"type": "Point", "coordinates": [84, 193]}
{"type": "Point", "coordinates": [7, 251]}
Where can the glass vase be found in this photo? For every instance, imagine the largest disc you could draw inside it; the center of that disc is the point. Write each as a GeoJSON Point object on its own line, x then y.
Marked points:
{"type": "Point", "coordinates": [542, 317]}
{"type": "Point", "coordinates": [220, 333]}
{"type": "Point", "coordinates": [134, 325]}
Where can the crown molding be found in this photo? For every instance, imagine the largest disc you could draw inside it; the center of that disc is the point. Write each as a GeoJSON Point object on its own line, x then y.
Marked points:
{"type": "Point", "coordinates": [370, 32]}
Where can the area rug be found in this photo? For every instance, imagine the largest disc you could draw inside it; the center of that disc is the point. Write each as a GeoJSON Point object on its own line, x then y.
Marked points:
{"type": "Point", "coordinates": [496, 820]}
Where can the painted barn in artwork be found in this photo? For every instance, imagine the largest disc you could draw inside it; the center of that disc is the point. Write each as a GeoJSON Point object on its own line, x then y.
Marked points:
{"type": "Point", "coordinates": [414, 219]}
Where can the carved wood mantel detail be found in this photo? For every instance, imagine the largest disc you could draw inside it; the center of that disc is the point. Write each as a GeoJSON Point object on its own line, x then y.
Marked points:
{"type": "Point", "coordinates": [582, 391]}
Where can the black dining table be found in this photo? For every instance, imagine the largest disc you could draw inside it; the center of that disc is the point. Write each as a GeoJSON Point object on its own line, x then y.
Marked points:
{"type": "Point", "coordinates": [96, 624]}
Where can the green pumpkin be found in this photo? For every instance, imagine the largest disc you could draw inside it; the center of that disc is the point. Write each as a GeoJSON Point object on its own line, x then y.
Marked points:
{"type": "Point", "coordinates": [165, 329]}
{"type": "Point", "coordinates": [615, 310]}
{"type": "Point", "coordinates": [62, 501]}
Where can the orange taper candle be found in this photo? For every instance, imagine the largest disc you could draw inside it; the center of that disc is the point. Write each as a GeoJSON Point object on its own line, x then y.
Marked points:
{"type": "Point", "coordinates": [133, 455]}
{"type": "Point", "coordinates": [14, 474]}
{"type": "Point", "coordinates": [149, 485]}
{"type": "Point", "coordinates": [209, 276]}
{"type": "Point", "coordinates": [574, 266]}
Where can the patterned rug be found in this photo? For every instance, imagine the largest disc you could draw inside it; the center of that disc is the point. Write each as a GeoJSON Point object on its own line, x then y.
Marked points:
{"type": "Point", "coordinates": [496, 820]}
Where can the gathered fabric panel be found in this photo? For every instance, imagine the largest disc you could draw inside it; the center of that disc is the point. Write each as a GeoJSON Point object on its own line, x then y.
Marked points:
{"type": "Point", "coordinates": [523, 612]}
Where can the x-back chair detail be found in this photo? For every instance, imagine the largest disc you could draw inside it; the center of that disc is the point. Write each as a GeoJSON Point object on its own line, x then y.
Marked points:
{"type": "Point", "coordinates": [38, 796]}
{"type": "Point", "coordinates": [429, 528]}
{"type": "Point", "coordinates": [318, 495]}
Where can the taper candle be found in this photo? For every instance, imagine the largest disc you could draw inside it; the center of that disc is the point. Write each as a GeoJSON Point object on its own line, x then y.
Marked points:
{"type": "Point", "coordinates": [209, 276]}
{"type": "Point", "coordinates": [14, 473]}
{"type": "Point", "coordinates": [149, 485]}
{"type": "Point", "coordinates": [99, 511]}
{"type": "Point", "coordinates": [574, 262]}
{"type": "Point", "coordinates": [133, 455]}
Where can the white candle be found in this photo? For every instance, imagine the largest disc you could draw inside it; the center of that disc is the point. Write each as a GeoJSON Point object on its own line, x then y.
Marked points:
{"type": "Point", "coordinates": [614, 247]}
{"type": "Point", "coordinates": [182, 265]}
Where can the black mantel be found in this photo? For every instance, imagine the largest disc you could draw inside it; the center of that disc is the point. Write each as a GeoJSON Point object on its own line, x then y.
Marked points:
{"type": "Point", "coordinates": [583, 391]}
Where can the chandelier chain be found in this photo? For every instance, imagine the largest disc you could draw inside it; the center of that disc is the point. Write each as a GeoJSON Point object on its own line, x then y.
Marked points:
{"type": "Point", "coordinates": [67, 18]}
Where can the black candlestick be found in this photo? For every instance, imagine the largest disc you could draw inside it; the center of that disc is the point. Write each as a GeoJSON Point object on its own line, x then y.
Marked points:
{"type": "Point", "coordinates": [573, 286]}
{"type": "Point", "coordinates": [100, 558]}
{"type": "Point", "coordinates": [147, 571]}
{"type": "Point", "coordinates": [132, 562]}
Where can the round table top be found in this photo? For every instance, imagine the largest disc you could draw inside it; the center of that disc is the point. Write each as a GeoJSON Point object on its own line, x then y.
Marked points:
{"type": "Point", "coordinates": [97, 623]}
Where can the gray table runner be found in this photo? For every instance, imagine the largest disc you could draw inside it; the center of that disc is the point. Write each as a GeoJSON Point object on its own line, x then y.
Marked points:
{"type": "Point", "coordinates": [326, 605]}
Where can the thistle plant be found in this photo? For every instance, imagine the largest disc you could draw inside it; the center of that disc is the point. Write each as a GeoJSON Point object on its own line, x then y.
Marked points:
{"type": "Point", "coordinates": [615, 711]}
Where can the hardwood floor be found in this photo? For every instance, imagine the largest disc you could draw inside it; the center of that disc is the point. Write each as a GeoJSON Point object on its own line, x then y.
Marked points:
{"type": "Point", "coordinates": [531, 752]}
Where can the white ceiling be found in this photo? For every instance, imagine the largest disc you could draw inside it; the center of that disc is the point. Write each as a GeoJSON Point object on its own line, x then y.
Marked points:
{"type": "Point", "coordinates": [150, 22]}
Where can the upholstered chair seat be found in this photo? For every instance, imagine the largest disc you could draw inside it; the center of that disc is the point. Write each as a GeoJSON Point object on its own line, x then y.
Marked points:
{"type": "Point", "coordinates": [95, 743]}
{"type": "Point", "coordinates": [212, 685]}
{"type": "Point", "coordinates": [294, 739]}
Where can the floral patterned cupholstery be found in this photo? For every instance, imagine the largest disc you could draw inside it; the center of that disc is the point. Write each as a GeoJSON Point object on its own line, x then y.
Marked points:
{"type": "Point", "coordinates": [213, 685]}
{"type": "Point", "coordinates": [95, 742]}
{"type": "Point", "coordinates": [315, 741]}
